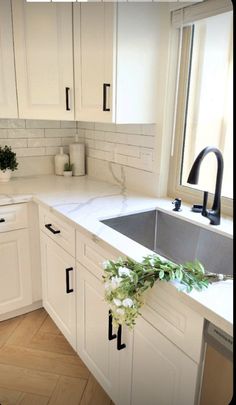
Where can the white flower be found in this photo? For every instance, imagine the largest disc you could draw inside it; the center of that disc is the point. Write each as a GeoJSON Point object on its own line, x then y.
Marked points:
{"type": "Point", "coordinates": [107, 286]}
{"type": "Point", "coordinates": [152, 262]}
{"type": "Point", "coordinates": [115, 282]}
{"type": "Point", "coordinates": [117, 302]}
{"type": "Point", "coordinates": [120, 311]}
{"type": "Point", "coordinates": [127, 302]}
{"type": "Point", "coordinates": [124, 271]}
{"type": "Point", "coordinates": [105, 264]}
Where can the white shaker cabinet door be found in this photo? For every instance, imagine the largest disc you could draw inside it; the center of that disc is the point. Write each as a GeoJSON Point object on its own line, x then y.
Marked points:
{"type": "Point", "coordinates": [58, 276]}
{"type": "Point", "coordinates": [44, 59]}
{"type": "Point", "coordinates": [8, 103]}
{"type": "Point", "coordinates": [15, 272]}
{"type": "Point", "coordinates": [94, 47]}
{"type": "Point", "coordinates": [162, 373]}
{"type": "Point", "coordinates": [109, 365]}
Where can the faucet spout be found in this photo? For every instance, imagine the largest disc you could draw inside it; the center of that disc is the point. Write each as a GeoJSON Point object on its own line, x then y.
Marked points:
{"type": "Point", "coordinates": [214, 213]}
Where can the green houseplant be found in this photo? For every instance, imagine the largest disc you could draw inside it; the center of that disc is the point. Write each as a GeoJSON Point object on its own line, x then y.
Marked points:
{"type": "Point", "coordinates": [8, 163]}
{"type": "Point", "coordinates": [68, 169]}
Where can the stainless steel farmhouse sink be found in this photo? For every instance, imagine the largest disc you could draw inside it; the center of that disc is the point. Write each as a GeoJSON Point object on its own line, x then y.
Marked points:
{"type": "Point", "coordinates": [177, 239]}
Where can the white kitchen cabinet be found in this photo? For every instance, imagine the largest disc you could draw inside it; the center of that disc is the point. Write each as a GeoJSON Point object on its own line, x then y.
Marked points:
{"type": "Point", "coordinates": [15, 271]}
{"type": "Point", "coordinates": [161, 373]}
{"type": "Point", "coordinates": [8, 102]}
{"type": "Point", "coordinates": [116, 61]}
{"type": "Point", "coordinates": [44, 59]}
{"type": "Point", "coordinates": [100, 354]}
{"type": "Point", "coordinates": [58, 286]}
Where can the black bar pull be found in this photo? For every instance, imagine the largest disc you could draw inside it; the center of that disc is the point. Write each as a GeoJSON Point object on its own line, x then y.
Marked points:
{"type": "Point", "coordinates": [2, 220]}
{"type": "Point", "coordinates": [105, 85]}
{"type": "Point", "coordinates": [67, 98]}
{"type": "Point", "coordinates": [68, 289]}
{"type": "Point", "coordinates": [111, 335]}
{"type": "Point", "coordinates": [49, 227]}
{"type": "Point", "coordinates": [120, 345]}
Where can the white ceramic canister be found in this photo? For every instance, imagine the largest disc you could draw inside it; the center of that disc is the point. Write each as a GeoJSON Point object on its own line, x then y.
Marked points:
{"type": "Point", "coordinates": [60, 160]}
{"type": "Point", "coordinates": [77, 158]}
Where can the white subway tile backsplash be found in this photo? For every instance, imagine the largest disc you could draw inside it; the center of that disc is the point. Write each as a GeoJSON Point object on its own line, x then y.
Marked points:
{"type": "Point", "coordinates": [12, 123]}
{"type": "Point", "coordinates": [36, 142]}
{"type": "Point", "coordinates": [25, 133]}
{"type": "Point", "coordinates": [52, 141]}
{"type": "Point", "coordinates": [30, 152]}
{"type": "Point", "coordinates": [14, 143]}
{"type": "Point", "coordinates": [3, 133]}
{"type": "Point", "coordinates": [68, 124]}
{"type": "Point", "coordinates": [59, 132]}
{"type": "Point", "coordinates": [67, 141]}
{"type": "Point", "coordinates": [128, 150]}
{"type": "Point", "coordinates": [125, 145]}
{"type": "Point", "coordinates": [129, 128]}
{"type": "Point", "coordinates": [146, 141]}
{"type": "Point", "coordinates": [52, 150]}
{"type": "Point", "coordinates": [85, 125]}
{"type": "Point", "coordinates": [42, 124]}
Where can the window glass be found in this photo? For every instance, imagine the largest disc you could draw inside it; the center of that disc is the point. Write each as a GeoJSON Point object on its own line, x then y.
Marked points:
{"type": "Point", "coordinates": [209, 111]}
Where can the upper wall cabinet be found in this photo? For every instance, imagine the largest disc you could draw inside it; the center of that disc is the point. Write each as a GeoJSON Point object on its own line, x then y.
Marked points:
{"type": "Point", "coordinates": [116, 55]}
{"type": "Point", "coordinates": [44, 59]}
{"type": "Point", "coordinates": [8, 103]}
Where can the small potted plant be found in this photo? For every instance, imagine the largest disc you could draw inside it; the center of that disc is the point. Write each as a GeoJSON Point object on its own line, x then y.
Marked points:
{"type": "Point", "coordinates": [8, 163]}
{"type": "Point", "coordinates": [68, 169]}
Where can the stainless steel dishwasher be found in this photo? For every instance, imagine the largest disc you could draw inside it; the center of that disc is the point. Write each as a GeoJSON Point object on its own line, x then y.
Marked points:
{"type": "Point", "coordinates": [217, 383]}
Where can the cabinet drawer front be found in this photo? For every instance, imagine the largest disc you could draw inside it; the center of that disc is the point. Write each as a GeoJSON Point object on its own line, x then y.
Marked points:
{"type": "Point", "coordinates": [174, 319]}
{"type": "Point", "coordinates": [58, 230]}
{"type": "Point", "coordinates": [92, 255]}
{"type": "Point", "coordinates": [13, 217]}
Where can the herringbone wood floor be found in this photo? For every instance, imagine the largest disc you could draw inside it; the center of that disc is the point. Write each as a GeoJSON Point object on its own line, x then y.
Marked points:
{"type": "Point", "coordinates": [39, 367]}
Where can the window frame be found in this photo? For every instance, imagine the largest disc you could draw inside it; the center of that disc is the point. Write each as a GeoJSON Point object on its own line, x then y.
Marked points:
{"type": "Point", "coordinates": [175, 189]}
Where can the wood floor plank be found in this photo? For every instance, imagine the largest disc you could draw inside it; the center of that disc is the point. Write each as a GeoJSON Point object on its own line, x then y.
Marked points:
{"type": "Point", "coordinates": [49, 326]}
{"type": "Point", "coordinates": [8, 327]}
{"type": "Point", "coordinates": [51, 343]}
{"type": "Point", "coordinates": [31, 381]}
{"type": "Point", "coordinates": [28, 327]}
{"type": "Point", "coordinates": [32, 399]}
{"type": "Point", "coordinates": [67, 365]}
{"type": "Point", "coordinates": [9, 397]}
{"type": "Point", "coordinates": [68, 391]}
{"type": "Point", "coordinates": [94, 394]}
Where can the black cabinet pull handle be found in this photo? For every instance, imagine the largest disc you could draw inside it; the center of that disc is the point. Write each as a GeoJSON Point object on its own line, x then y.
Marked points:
{"type": "Point", "coordinates": [120, 345]}
{"type": "Point", "coordinates": [49, 227]}
{"type": "Point", "coordinates": [111, 335]}
{"type": "Point", "coordinates": [67, 98]}
{"type": "Point", "coordinates": [2, 220]}
{"type": "Point", "coordinates": [105, 86]}
{"type": "Point", "coordinates": [68, 289]}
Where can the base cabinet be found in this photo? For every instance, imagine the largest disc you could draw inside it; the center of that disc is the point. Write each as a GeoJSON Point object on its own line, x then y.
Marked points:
{"type": "Point", "coordinates": [58, 279]}
{"type": "Point", "coordinates": [162, 373]}
{"type": "Point", "coordinates": [15, 271]}
{"type": "Point", "coordinates": [93, 345]}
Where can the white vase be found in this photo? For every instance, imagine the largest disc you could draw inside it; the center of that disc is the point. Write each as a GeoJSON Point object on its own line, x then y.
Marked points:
{"type": "Point", "coordinates": [5, 175]}
{"type": "Point", "coordinates": [60, 160]}
{"type": "Point", "coordinates": [77, 157]}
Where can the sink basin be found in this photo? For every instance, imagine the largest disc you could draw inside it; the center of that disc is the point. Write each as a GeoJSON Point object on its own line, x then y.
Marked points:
{"type": "Point", "coordinates": [177, 239]}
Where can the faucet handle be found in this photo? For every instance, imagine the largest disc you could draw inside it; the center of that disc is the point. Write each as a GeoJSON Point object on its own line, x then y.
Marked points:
{"type": "Point", "coordinates": [204, 208]}
{"type": "Point", "coordinates": [177, 204]}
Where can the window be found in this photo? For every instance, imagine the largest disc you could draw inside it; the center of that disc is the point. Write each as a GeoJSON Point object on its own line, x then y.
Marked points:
{"type": "Point", "coordinates": [205, 105]}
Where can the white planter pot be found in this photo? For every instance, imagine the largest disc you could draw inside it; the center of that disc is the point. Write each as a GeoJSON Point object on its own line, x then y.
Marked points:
{"type": "Point", "coordinates": [5, 175]}
{"type": "Point", "coordinates": [67, 173]}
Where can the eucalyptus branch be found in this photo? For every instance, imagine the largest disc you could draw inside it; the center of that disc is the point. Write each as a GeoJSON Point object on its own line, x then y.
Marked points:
{"type": "Point", "coordinates": [126, 280]}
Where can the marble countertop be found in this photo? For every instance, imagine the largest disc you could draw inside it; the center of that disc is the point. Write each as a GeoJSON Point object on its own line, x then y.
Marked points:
{"type": "Point", "coordinates": [84, 202]}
